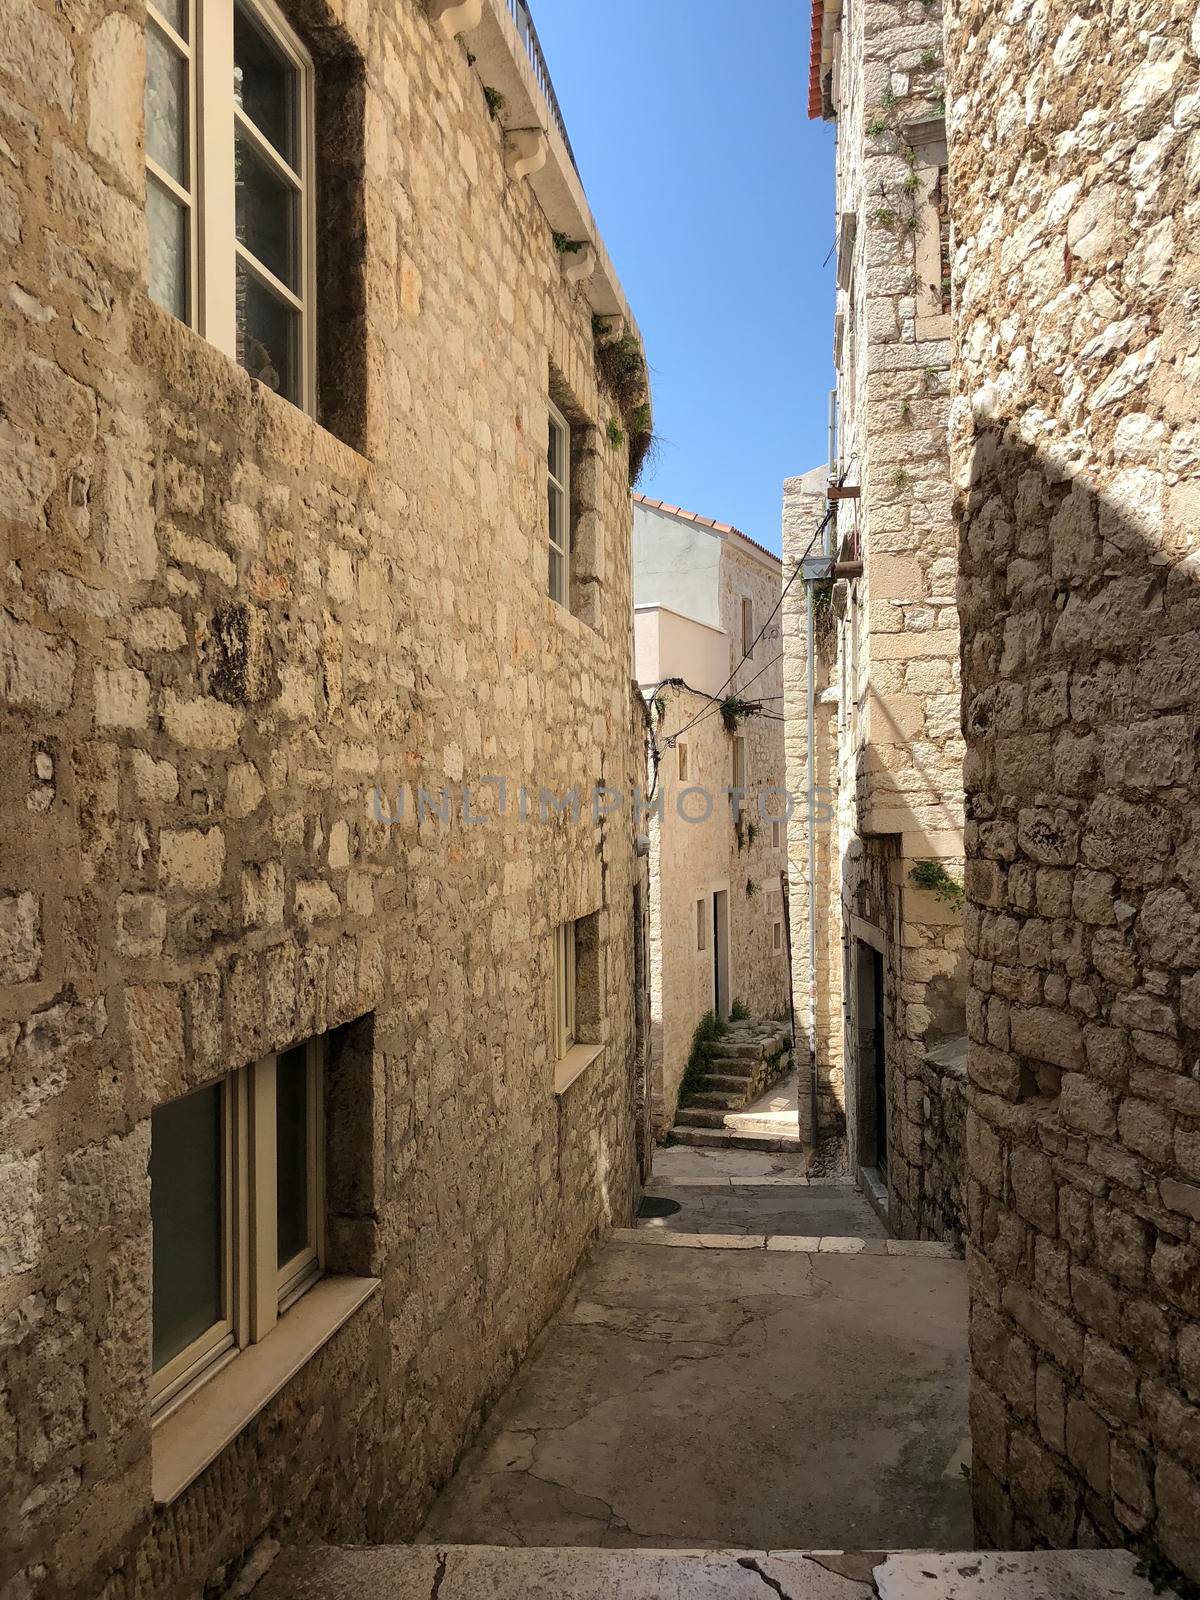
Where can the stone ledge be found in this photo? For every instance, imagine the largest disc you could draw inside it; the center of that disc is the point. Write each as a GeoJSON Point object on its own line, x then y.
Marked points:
{"type": "Point", "coordinates": [458, 1572]}
{"type": "Point", "coordinates": [576, 1062]}
{"type": "Point", "coordinates": [727, 1139]}
{"type": "Point", "coordinates": [191, 1437]}
{"type": "Point", "coordinates": [803, 1244]}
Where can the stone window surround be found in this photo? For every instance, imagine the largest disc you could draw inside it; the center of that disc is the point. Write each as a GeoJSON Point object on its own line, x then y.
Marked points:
{"type": "Point", "coordinates": [190, 1434]}
{"type": "Point", "coordinates": [747, 618]}
{"type": "Point", "coordinates": [558, 483]}
{"type": "Point", "coordinates": [584, 574]}
{"type": "Point", "coordinates": [585, 965]}
{"type": "Point", "coordinates": [928, 141]}
{"type": "Point", "coordinates": [339, 404]}
{"type": "Point", "coordinates": [256, 1289]}
{"type": "Point", "coordinates": [211, 119]}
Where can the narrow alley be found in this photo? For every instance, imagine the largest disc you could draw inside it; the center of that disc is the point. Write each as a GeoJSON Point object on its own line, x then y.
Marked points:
{"type": "Point", "coordinates": [776, 1376]}
{"type": "Point", "coordinates": [600, 812]}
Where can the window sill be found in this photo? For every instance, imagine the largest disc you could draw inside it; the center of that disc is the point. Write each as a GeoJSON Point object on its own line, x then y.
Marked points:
{"type": "Point", "coordinates": [576, 1062]}
{"type": "Point", "coordinates": [564, 617]}
{"type": "Point", "coordinates": [192, 1437]}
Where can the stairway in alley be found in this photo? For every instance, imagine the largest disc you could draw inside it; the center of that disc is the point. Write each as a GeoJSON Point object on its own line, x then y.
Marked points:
{"type": "Point", "coordinates": [748, 1385]}
{"type": "Point", "coordinates": [739, 1089]}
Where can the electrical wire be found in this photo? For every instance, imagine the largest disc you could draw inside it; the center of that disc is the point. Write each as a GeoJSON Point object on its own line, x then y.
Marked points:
{"type": "Point", "coordinates": [716, 705]}
{"type": "Point", "coordinates": [655, 751]}
{"type": "Point", "coordinates": [830, 514]}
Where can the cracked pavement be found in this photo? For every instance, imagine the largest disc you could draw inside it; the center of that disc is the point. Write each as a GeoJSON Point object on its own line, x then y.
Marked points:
{"type": "Point", "coordinates": [717, 1399]}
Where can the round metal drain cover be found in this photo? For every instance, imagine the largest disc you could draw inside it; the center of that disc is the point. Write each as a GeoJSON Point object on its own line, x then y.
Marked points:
{"type": "Point", "coordinates": [657, 1205]}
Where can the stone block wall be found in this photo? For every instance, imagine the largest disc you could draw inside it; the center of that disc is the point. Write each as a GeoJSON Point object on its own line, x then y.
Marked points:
{"type": "Point", "coordinates": [691, 859]}
{"type": "Point", "coordinates": [1075, 146]}
{"type": "Point", "coordinates": [817, 987]}
{"type": "Point", "coordinates": [221, 628]}
{"type": "Point", "coordinates": [889, 648]}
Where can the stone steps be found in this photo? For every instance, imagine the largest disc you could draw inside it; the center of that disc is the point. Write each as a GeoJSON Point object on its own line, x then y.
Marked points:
{"type": "Point", "coordinates": [722, 1138]}
{"type": "Point", "coordinates": [724, 1083]}
{"type": "Point", "coordinates": [466, 1572]}
{"type": "Point", "coordinates": [748, 1058]}
{"type": "Point", "coordinates": [694, 1116]}
{"type": "Point", "coordinates": [707, 1099]}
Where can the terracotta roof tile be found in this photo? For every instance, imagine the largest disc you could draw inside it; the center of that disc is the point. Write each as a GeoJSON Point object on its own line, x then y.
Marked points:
{"type": "Point", "coordinates": [816, 100]}
{"type": "Point", "coordinates": [705, 522]}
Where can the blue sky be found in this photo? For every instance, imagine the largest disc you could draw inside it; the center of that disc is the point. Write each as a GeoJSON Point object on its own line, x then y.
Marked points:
{"type": "Point", "coordinates": [714, 195]}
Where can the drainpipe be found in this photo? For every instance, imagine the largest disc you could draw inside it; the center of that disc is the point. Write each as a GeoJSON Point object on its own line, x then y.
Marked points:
{"type": "Point", "coordinates": [810, 624]}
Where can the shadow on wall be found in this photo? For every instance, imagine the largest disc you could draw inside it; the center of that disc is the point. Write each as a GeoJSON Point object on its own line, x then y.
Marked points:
{"type": "Point", "coordinates": [1080, 613]}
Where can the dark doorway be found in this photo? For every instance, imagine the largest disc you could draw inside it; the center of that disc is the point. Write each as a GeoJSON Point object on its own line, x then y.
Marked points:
{"type": "Point", "coordinates": [869, 1141]}
{"type": "Point", "coordinates": [879, 1066]}
{"type": "Point", "coordinates": [720, 902]}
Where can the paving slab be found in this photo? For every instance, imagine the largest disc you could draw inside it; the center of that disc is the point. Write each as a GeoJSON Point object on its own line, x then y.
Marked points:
{"type": "Point", "coordinates": [1002, 1575]}
{"type": "Point", "coordinates": [721, 1398]}
{"type": "Point", "coordinates": [480, 1572]}
{"type": "Point", "coordinates": [743, 1191]}
{"type": "Point", "coordinates": [680, 1166]}
{"type": "Point", "coordinates": [402, 1572]}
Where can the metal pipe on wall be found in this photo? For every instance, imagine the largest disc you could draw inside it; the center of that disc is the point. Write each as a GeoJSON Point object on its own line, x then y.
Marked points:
{"type": "Point", "coordinates": [810, 626]}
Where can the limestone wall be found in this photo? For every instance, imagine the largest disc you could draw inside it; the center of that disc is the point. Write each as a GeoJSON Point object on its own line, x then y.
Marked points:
{"type": "Point", "coordinates": [889, 638]}
{"type": "Point", "coordinates": [692, 856]}
{"type": "Point", "coordinates": [819, 1015]}
{"type": "Point", "coordinates": [1076, 159]}
{"type": "Point", "coordinates": [759, 976]}
{"type": "Point", "coordinates": [221, 626]}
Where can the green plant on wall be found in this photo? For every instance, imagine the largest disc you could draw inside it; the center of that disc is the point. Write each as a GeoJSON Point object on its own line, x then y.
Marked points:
{"type": "Point", "coordinates": [495, 100]}
{"type": "Point", "coordinates": [622, 368]}
{"type": "Point", "coordinates": [734, 711]}
{"type": "Point", "coordinates": [615, 433]}
{"type": "Point", "coordinates": [567, 247]}
{"type": "Point", "coordinates": [739, 1012]}
{"type": "Point", "coordinates": [709, 1031]}
{"type": "Point", "coordinates": [934, 879]}
{"type": "Point", "coordinates": [751, 888]}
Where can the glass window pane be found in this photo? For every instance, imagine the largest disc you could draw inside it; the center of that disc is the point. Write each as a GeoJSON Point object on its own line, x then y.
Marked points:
{"type": "Point", "coordinates": [265, 84]}
{"type": "Point", "coordinates": [266, 213]}
{"type": "Point", "coordinates": [554, 498]}
{"type": "Point", "coordinates": [554, 451]}
{"type": "Point", "coordinates": [166, 106]}
{"type": "Point", "coordinates": [187, 1193]}
{"type": "Point", "coordinates": [176, 13]}
{"type": "Point", "coordinates": [556, 575]}
{"type": "Point", "coordinates": [168, 229]}
{"type": "Point", "coordinates": [267, 335]}
{"type": "Point", "coordinates": [291, 1153]}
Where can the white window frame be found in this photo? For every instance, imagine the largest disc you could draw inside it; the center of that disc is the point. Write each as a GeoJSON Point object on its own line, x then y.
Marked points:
{"type": "Point", "coordinates": [559, 492]}
{"type": "Point", "coordinates": [564, 989]}
{"type": "Point", "coordinates": [212, 117]}
{"type": "Point", "coordinates": [747, 627]}
{"type": "Point", "coordinates": [257, 1291]}
{"type": "Point", "coordinates": [186, 195]}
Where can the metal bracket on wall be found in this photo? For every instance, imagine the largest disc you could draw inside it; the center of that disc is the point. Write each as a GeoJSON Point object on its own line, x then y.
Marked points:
{"type": "Point", "coordinates": [525, 151]}
{"type": "Point", "coordinates": [456, 16]}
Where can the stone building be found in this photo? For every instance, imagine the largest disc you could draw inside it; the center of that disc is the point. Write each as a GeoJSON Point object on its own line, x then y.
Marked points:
{"type": "Point", "coordinates": [1075, 150]}
{"type": "Point", "coordinates": [707, 635]}
{"type": "Point", "coordinates": [318, 1026]}
{"type": "Point", "coordinates": [880, 973]}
